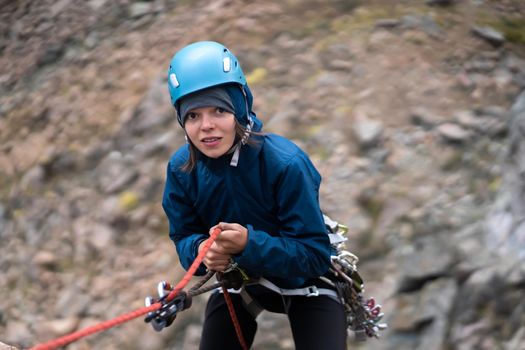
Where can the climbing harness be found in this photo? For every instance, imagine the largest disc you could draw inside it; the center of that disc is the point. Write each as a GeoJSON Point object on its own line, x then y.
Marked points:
{"type": "Point", "coordinates": [363, 317]}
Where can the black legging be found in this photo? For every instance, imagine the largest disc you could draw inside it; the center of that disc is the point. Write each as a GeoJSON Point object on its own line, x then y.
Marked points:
{"type": "Point", "coordinates": [317, 323]}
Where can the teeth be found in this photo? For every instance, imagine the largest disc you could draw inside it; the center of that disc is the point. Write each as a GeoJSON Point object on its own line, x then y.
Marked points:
{"type": "Point", "coordinates": [211, 139]}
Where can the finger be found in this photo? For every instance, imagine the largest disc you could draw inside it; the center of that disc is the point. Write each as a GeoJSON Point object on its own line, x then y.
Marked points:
{"type": "Point", "coordinates": [224, 226]}
{"type": "Point", "coordinates": [217, 256]}
{"type": "Point", "coordinates": [213, 229]}
{"type": "Point", "coordinates": [218, 248]}
{"type": "Point", "coordinates": [224, 236]}
{"type": "Point", "coordinates": [229, 235]}
{"type": "Point", "coordinates": [216, 265]}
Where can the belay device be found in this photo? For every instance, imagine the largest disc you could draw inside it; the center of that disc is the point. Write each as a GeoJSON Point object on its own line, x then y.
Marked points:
{"type": "Point", "coordinates": [363, 317]}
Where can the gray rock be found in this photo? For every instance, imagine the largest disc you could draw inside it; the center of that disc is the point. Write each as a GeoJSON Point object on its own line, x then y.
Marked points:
{"type": "Point", "coordinates": [436, 302]}
{"type": "Point", "coordinates": [367, 131]}
{"type": "Point", "coordinates": [490, 35]}
{"type": "Point", "coordinates": [453, 132]}
{"type": "Point", "coordinates": [387, 23]}
{"type": "Point", "coordinates": [58, 327]}
{"type": "Point", "coordinates": [45, 259]}
{"type": "Point", "coordinates": [429, 258]}
{"type": "Point", "coordinates": [140, 9]}
{"type": "Point", "coordinates": [426, 309]}
{"type": "Point", "coordinates": [468, 334]}
{"type": "Point", "coordinates": [154, 111]}
{"type": "Point", "coordinates": [514, 63]}
{"type": "Point", "coordinates": [493, 111]}
{"type": "Point", "coordinates": [92, 237]}
{"type": "Point", "coordinates": [17, 332]}
{"type": "Point", "coordinates": [7, 347]}
{"type": "Point", "coordinates": [423, 117]}
{"type": "Point", "coordinates": [115, 173]}
{"type": "Point", "coordinates": [162, 144]}
{"type": "Point", "coordinates": [422, 22]}
{"type": "Point", "coordinates": [58, 7]}
{"type": "Point", "coordinates": [439, 2]}
{"type": "Point", "coordinates": [517, 342]}
{"type": "Point", "coordinates": [480, 66]}
{"type": "Point", "coordinates": [481, 123]}
{"type": "Point", "coordinates": [33, 179]}
{"type": "Point", "coordinates": [72, 302]}
{"type": "Point", "coordinates": [97, 4]}
{"type": "Point", "coordinates": [282, 122]}
{"type": "Point", "coordinates": [470, 250]}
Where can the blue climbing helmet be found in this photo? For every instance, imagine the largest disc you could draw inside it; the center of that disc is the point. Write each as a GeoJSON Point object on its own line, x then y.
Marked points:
{"type": "Point", "coordinates": [201, 65]}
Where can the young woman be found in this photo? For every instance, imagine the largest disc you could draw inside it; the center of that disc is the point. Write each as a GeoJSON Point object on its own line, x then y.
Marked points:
{"type": "Point", "coordinates": [261, 190]}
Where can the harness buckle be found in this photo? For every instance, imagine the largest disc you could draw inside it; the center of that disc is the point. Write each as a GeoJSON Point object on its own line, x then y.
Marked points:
{"type": "Point", "coordinates": [312, 291]}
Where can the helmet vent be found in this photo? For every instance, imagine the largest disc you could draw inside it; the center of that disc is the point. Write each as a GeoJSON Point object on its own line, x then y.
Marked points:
{"type": "Point", "coordinates": [173, 80]}
{"type": "Point", "coordinates": [226, 64]}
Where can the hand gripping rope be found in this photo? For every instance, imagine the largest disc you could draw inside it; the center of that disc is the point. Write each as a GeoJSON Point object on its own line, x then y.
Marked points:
{"type": "Point", "coordinates": [175, 297]}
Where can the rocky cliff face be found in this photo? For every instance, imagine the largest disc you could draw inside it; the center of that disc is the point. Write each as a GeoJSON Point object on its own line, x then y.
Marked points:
{"type": "Point", "coordinates": [414, 113]}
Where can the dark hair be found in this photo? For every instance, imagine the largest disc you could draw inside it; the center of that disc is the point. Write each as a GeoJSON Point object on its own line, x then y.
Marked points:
{"type": "Point", "coordinates": [191, 163]}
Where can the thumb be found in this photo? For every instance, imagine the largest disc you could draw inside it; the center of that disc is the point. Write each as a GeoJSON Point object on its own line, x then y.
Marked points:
{"type": "Point", "coordinates": [213, 228]}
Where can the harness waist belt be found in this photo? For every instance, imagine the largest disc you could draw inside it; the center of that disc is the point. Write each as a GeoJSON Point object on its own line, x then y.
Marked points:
{"type": "Point", "coordinates": [310, 291]}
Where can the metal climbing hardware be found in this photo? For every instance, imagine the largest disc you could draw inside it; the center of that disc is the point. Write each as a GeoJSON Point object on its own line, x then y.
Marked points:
{"type": "Point", "coordinates": [164, 316]}
{"type": "Point", "coordinates": [363, 317]}
{"type": "Point", "coordinates": [171, 306]}
{"type": "Point", "coordinates": [233, 278]}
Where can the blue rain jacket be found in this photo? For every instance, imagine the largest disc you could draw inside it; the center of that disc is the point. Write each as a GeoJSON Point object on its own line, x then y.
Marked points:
{"type": "Point", "coordinates": [273, 192]}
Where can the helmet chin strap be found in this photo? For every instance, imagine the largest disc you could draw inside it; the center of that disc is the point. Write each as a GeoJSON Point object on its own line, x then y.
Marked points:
{"type": "Point", "coordinates": [237, 148]}
{"type": "Point", "coordinates": [245, 136]}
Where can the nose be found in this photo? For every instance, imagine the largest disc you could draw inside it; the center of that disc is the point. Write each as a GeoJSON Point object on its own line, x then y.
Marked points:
{"type": "Point", "coordinates": [207, 122]}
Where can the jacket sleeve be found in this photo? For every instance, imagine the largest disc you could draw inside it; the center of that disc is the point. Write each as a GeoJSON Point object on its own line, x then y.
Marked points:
{"type": "Point", "coordinates": [185, 229]}
{"type": "Point", "coordinates": [301, 248]}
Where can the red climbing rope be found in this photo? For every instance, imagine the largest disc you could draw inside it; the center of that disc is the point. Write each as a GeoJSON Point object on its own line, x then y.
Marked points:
{"type": "Point", "coordinates": [67, 339]}
{"type": "Point", "coordinates": [233, 315]}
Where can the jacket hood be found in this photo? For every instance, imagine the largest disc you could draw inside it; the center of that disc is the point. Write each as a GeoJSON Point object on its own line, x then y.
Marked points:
{"type": "Point", "coordinates": [242, 99]}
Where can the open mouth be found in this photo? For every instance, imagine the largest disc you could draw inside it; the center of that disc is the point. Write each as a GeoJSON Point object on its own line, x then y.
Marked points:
{"type": "Point", "coordinates": [211, 141]}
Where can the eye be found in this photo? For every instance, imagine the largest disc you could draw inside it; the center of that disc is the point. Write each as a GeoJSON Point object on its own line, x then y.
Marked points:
{"type": "Point", "coordinates": [191, 116]}
{"type": "Point", "coordinates": [220, 110]}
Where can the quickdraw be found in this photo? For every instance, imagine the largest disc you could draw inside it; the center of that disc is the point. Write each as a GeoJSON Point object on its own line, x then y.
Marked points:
{"type": "Point", "coordinates": [363, 317]}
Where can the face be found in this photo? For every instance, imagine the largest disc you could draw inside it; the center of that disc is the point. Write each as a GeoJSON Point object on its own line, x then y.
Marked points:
{"type": "Point", "coordinates": [211, 130]}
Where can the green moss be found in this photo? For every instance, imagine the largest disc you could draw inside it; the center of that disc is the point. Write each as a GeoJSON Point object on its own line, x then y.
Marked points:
{"type": "Point", "coordinates": [258, 75]}
{"type": "Point", "coordinates": [366, 16]}
{"type": "Point", "coordinates": [311, 27]}
{"type": "Point", "coordinates": [128, 200]}
{"type": "Point", "coordinates": [321, 152]}
{"type": "Point", "coordinates": [495, 184]}
{"type": "Point", "coordinates": [512, 27]}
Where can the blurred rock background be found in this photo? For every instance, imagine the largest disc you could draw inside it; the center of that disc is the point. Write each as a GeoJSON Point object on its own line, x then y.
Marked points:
{"type": "Point", "coordinates": [413, 111]}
